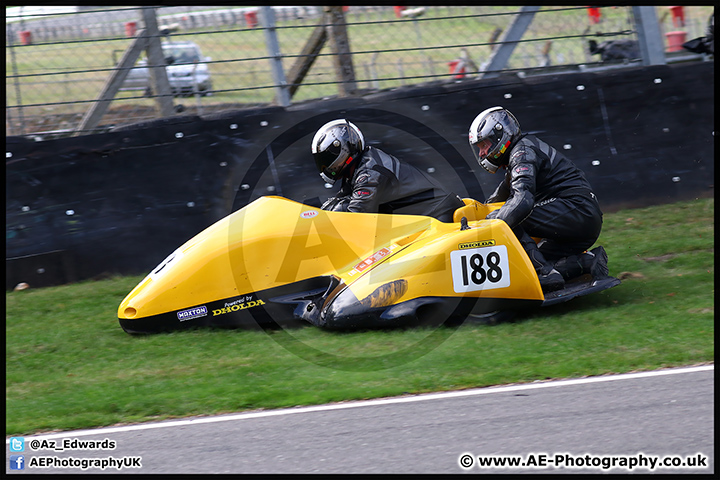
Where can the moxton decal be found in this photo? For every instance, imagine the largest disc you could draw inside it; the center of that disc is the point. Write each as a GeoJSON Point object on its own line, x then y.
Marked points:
{"type": "Point", "coordinates": [481, 243]}
{"type": "Point", "coordinates": [482, 268]}
{"type": "Point", "coordinates": [191, 313]}
{"type": "Point", "coordinates": [309, 214]}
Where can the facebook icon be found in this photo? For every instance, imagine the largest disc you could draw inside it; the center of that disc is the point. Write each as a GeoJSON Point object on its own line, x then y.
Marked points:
{"type": "Point", "coordinates": [17, 462]}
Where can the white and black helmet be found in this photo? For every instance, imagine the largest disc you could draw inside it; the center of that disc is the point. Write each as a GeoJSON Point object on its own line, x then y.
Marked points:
{"type": "Point", "coordinates": [501, 129]}
{"type": "Point", "coordinates": [335, 146]}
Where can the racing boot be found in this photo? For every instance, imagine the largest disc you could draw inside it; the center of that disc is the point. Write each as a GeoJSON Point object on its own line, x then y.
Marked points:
{"type": "Point", "coordinates": [550, 279]}
{"type": "Point", "coordinates": [593, 262]}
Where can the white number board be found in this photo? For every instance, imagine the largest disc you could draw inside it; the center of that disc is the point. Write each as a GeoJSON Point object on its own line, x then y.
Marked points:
{"type": "Point", "coordinates": [480, 268]}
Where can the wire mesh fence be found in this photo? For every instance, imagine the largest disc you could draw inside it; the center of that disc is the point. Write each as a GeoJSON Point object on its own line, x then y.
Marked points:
{"type": "Point", "coordinates": [59, 60]}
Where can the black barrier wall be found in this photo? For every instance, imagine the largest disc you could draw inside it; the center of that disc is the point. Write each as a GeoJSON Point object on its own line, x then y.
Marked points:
{"type": "Point", "coordinates": [122, 201]}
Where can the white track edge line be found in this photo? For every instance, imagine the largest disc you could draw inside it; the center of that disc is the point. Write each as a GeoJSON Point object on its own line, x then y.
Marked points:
{"type": "Point", "coordinates": [367, 403]}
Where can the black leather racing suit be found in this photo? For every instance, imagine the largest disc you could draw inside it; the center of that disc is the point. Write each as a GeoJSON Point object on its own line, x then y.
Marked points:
{"type": "Point", "coordinates": [548, 197]}
{"type": "Point", "coordinates": [380, 183]}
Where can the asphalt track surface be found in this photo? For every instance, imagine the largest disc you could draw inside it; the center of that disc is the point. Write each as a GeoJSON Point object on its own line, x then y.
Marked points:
{"type": "Point", "coordinates": [567, 426]}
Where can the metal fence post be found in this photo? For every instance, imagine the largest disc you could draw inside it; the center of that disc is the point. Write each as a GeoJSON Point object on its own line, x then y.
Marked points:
{"type": "Point", "coordinates": [156, 59]}
{"type": "Point", "coordinates": [11, 44]}
{"type": "Point", "coordinates": [649, 37]}
{"type": "Point", "coordinates": [340, 45]}
{"type": "Point", "coordinates": [500, 56]}
{"type": "Point", "coordinates": [273, 47]}
{"type": "Point", "coordinates": [307, 57]}
{"type": "Point", "coordinates": [98, 108]}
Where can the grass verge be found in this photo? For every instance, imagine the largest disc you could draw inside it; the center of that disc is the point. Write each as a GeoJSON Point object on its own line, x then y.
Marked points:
{"type": "Point", "coordinates": [69, 365]}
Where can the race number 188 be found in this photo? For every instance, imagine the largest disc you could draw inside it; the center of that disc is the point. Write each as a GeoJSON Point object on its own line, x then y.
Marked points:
{"type": "Point", "coordinates": [480, 268]}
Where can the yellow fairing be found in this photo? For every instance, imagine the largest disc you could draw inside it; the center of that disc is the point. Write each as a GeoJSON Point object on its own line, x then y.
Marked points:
{"type": "Point", "coordinates": [474, 210]}
{"type": "Point", "coordinates": [485, 260]}
{"type": "Point", "coordinates": [275, 241]}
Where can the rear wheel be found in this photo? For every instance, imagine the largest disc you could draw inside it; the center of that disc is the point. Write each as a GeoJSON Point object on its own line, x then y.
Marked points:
{"type": "Point", "coordinates": [491, 318]}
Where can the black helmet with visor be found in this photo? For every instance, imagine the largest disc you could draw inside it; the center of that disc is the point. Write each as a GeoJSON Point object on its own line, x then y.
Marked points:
{"type": "Point", "coordinates": [334, 146]}
{"type": "Point", "coordinates": [492, 134]}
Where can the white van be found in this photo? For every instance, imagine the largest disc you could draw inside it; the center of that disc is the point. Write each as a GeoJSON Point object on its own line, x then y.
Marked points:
{"type": "Point", "coordinates": [187, 71]}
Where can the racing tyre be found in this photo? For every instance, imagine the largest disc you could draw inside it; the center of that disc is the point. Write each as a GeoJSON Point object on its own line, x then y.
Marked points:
{"type": "Point", "coordinates": [491, 318]}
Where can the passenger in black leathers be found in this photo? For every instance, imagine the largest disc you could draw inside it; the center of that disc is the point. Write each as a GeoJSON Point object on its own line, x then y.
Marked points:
{"type": "Point", "coordinates": [546, 196]}
{"type": "Point", "coordinates": [374, 181]}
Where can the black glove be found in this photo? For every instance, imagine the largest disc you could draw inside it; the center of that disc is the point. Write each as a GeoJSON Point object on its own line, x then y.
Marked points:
{"type": "Point", "coordinates": [329, 203]}
{"type": "Point", "coordinates": [492, 214]}
{"type": "Point", "coordinates": [337, 204]}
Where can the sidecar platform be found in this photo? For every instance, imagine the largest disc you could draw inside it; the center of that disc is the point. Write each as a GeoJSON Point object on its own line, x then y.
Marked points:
{"type": "Point", "coordinates": [578, 287]}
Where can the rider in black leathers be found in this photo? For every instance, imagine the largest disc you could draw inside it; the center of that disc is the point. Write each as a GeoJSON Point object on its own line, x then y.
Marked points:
{"type": "Point", "coordinates": [374, 181]}
{"type": "Point", "coordinates": [546, 196]}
